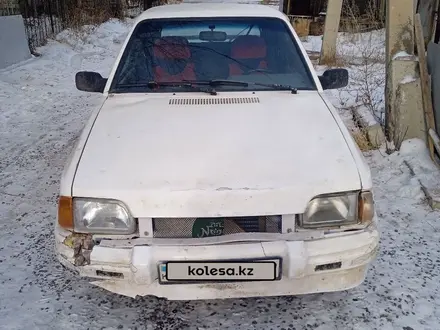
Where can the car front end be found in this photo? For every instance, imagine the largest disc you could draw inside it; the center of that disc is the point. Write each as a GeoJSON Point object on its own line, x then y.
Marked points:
{"type": "Point", "coordinates": [254, 256]}
{"type": "Point", "coordinates": [205, 181]}
{"type": "Point", "coordinates": [210, 204]}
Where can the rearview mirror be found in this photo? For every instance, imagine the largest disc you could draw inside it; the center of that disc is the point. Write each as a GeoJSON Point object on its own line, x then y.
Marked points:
{"type": "Point", "coordinates": [213, 36]}
{"type": "Point", "coordinates": [90, 82]}
{"type": "Point", "coordinates": [334, 79]}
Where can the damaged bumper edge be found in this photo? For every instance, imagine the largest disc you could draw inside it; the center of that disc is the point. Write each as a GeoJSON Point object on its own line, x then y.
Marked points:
{"type": "Point", "coordinates": [133, 271]}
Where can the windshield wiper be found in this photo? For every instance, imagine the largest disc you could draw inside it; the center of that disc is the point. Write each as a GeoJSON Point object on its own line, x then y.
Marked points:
{"type": "Point", "coordinates": [218, 82]}
{"type": "Point", "coordinates": [183, 84]}
{"type": "Point", "coordinates": [155, 84]}
{"type": "Point", "coordinates": [278, 87]}
{"type": "Point", "coordinates": [211, 83]}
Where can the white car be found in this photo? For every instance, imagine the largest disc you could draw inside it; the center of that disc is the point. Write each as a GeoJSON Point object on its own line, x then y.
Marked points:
{"type": "Point", "coordinates": [215, 166]}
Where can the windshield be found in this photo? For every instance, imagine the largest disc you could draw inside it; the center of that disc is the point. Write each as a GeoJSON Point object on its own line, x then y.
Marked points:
{"type": "Point", "coordinates": [165, 52]}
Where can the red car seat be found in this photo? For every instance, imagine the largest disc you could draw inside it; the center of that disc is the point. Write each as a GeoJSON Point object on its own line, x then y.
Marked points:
{"type": "Point", "coordinates": [172, 60]}
{"type": "Point", "coordinates": [250, 53]}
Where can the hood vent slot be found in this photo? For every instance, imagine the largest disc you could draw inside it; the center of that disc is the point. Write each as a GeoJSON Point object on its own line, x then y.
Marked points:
{"type": "Point", "coordinates": [215, 101]}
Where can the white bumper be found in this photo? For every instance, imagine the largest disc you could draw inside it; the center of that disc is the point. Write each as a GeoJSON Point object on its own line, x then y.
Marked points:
{"type": "Point", "coordinates": [138, 266]}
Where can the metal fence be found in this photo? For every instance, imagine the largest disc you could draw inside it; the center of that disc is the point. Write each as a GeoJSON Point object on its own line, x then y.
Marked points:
{"type": "Point", "coordinates": [44, 19]}
{"type": "Point", "coordinates": [9, 7]}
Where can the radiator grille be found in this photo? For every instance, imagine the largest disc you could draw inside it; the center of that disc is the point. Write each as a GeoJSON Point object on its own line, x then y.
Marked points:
{"type": "Point", "coordinates": [214, 101]}
{"type": "Point", "coordinates": [203, 227]}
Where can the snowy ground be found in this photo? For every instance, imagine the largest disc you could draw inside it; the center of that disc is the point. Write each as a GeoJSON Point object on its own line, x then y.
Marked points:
{"type": "Point", "coordinates": [363, 54]}
{"type": "Point", "coordinates": [41, 115]}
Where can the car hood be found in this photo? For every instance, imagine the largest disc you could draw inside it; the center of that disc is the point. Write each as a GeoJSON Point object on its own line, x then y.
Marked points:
{"type": "Point", "coordinates": [200, 155]}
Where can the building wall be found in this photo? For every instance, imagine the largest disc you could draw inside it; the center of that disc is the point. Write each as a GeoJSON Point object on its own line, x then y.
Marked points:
{"type": "Point", "coordinates": [13, 42]}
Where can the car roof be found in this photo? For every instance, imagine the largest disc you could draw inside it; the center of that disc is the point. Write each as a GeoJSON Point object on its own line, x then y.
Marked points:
{"type": "Point", "coordinates": [188, 10]}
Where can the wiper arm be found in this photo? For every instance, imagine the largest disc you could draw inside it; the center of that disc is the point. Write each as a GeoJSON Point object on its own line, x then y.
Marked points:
{"type": "Point", "coordinates": [211, 83]}
{"type": "Point", "coordinates": [156, 84]}
{"type": "Point", "coordinates": [279, 87]}
{"type": "Point", "coordinates": [218, 82]}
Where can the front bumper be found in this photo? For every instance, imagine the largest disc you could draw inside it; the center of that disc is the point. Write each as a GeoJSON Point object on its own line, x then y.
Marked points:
{"type": "Point", "coordinates": [134, 271]}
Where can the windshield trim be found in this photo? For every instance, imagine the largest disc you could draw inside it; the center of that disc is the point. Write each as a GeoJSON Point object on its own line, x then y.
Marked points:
{"type": "Point", "coordinates": [194, 91]}
{"type": "Point", "coordinates": [113, 89]}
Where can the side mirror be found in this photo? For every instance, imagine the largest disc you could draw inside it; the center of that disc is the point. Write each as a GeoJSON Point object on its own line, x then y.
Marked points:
{"type": "Point", "coordinates": [334, 79]}
{"type": "Point", "coordinates": [90, 82]}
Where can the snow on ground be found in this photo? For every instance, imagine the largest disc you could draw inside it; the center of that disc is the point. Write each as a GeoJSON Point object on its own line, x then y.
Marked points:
{"type": "Point", "coordinates": [41, 115]}
{"type": "Point", "coordinates": [363, 54]}
{"type": "Point", "coordinates": [352, 45]}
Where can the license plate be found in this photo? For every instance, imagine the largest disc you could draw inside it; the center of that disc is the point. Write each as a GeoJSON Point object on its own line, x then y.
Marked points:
{"type": "Point", "coordinates": [219, 271]}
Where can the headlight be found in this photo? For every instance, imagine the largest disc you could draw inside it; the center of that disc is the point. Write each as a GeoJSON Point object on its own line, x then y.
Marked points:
{"type": "Point", "coordinates": [339, 210]}
{"type": "Point", "coordinates": [102, 217]}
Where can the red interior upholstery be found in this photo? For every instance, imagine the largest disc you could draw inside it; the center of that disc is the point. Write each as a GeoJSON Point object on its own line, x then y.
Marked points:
{"type": "Point", "coordinates": [172, 57]}
{"type": "Point", "coordinates": [249, 50]}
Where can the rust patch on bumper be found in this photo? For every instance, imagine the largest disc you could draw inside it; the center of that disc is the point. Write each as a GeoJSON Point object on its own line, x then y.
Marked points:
{"type": "Point", "coordinates": [82, 245]}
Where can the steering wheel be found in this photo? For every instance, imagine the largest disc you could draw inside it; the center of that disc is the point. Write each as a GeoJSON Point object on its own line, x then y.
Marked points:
{"type": "Point", "coordinates": [259, 70]}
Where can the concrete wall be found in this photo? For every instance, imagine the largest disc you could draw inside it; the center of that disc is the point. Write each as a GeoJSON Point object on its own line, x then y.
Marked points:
{"type": "Point", "coordinates": [406, 118]}
{"type": "Point", "coordinates": [331, 28]}
{"type": "Point", "coordinates": [434, 70]}
{"type": "Point", "coordinates": [399, 27]}
{"type": "Point", "coordinates": [13, 42]}
{"type": "Point", "coordinates": [410, 120]}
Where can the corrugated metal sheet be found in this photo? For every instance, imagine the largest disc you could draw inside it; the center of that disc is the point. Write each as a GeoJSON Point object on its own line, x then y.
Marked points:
{"type": "Point", "coordinates": [427, 9]}
{"type": "Point", "coordinates": [434, 70]}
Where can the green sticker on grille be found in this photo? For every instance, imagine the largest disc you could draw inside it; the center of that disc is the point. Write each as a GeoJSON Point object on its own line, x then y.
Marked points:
{"type": "Point", "coordinates": [206, 227]}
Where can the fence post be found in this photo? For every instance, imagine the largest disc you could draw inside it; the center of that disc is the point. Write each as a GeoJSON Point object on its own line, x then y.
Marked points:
{"type": "Point", "coordinates": [331, 29]}
{"type": "Point", "coordinates": [404, 117]}
{"type": "Point", "coordinates": [51, 16]}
